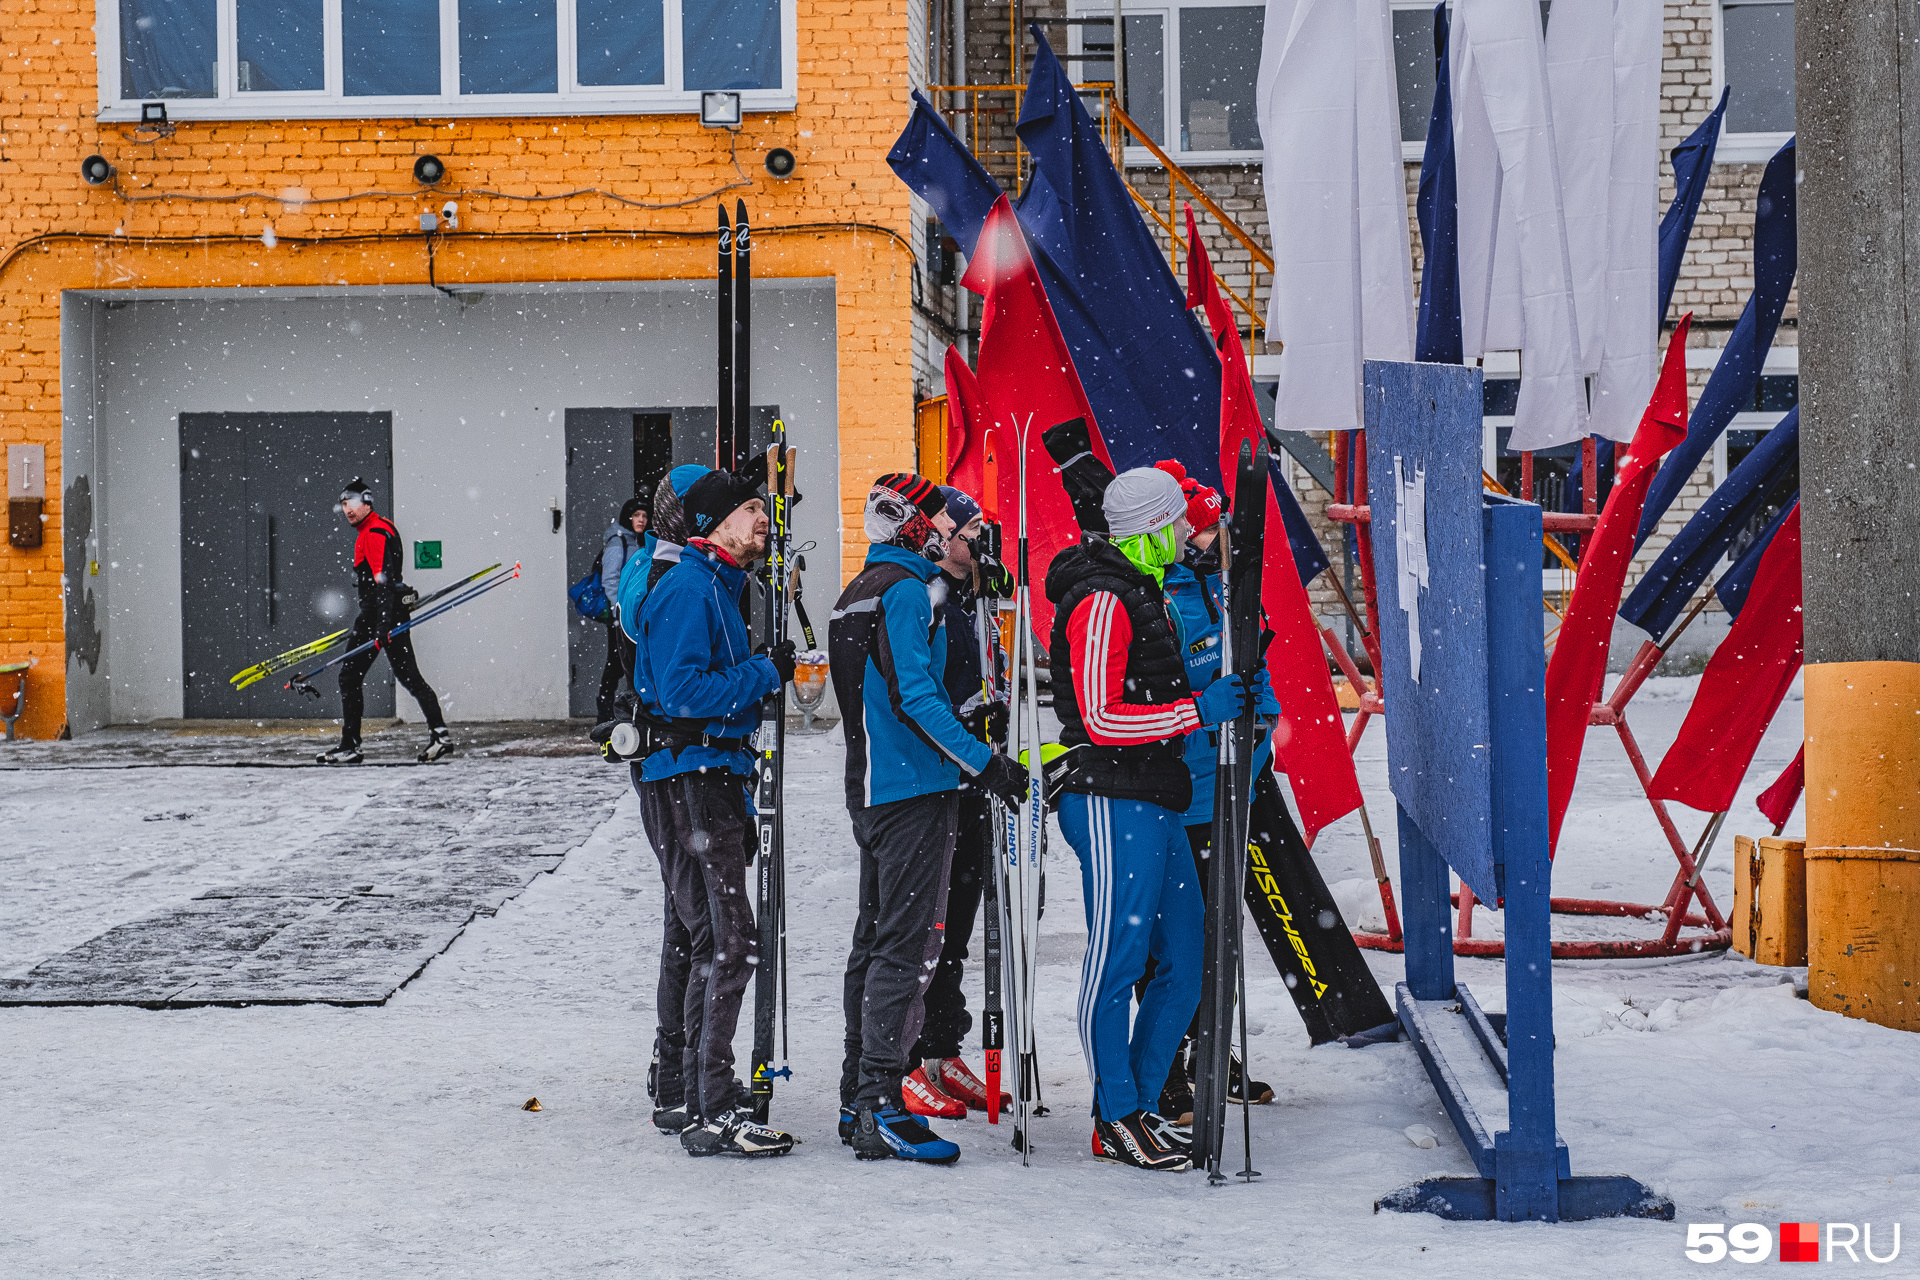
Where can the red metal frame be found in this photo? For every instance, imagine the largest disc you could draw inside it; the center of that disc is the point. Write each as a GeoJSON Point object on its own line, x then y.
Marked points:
{"type": "Point", "coordinates": [1686, 888]}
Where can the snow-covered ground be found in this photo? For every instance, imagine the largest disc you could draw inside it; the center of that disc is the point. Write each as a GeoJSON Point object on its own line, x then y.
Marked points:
{"type": "Point", "coordinates": [311, 1140]}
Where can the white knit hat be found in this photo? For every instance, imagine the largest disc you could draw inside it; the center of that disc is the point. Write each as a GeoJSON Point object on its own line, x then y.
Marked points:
{"type": "Point", "coordinates": [1143, 500]}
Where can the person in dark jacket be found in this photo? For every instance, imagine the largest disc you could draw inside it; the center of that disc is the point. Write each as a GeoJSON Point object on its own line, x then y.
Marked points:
{"type": "Point", "coordinates": [378, 554]}
{"type": "Point", "coordinates": [942, 1085]}
{"type": "Point", "coordinates": [906, 755]}
{"type": "Point", "coordinates": [700, 686]}
{"type": "Point", "coordinates": [621, 543]}
{"type": "Point", "coordinates": [1125, 708]}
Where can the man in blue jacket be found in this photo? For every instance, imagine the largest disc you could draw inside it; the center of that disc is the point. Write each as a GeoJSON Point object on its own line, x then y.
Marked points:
{"type": "Point", "coordinates": [906, 754]}
{"type": "Point", "coordinates": [700, 687]}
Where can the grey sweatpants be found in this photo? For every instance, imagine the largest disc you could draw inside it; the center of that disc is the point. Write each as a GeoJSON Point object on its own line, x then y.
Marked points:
{"type": "Point", "coordinates": [905, 850]}
{"type": "Point", "coordinates": [698, 825]}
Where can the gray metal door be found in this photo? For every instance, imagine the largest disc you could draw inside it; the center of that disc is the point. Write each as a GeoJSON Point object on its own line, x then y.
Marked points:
{"type": "Point", "coordinates": [266, 559]}
{"type": "Point", "coordinates": [610, 452]}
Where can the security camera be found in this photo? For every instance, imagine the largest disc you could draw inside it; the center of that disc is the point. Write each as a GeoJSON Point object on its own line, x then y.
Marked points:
{"type": "Point", "coordinates": [780, 163]}
{"type": "Point", "coordinates": [450, 214]}
{"type": "Point", "coordinates": [428, 170]}
{"type": "Point", "coordinates": [96, 170]}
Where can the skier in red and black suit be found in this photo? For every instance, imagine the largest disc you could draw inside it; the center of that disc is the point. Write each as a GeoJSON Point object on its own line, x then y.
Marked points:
{"type": "Point", "coordinates": [377, 560]}
{"type": "Point", "coordinates": [1120, 690]}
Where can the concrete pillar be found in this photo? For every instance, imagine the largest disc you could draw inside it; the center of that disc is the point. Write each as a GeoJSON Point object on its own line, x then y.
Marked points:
{"type": "Point", "coordinates": [1859, 229]}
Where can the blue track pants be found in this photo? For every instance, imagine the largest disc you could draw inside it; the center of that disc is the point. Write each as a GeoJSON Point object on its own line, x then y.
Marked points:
{"type": "Point", "coordinates": [1142, 897]}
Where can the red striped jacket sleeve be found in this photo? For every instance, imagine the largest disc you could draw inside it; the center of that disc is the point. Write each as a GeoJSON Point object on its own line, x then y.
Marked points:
{"type": "Point", "coordinates": [1098, 634]}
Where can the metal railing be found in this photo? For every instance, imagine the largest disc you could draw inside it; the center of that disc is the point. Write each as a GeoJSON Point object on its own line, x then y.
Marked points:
{"type": "Point", "coordinates": [974, 111]}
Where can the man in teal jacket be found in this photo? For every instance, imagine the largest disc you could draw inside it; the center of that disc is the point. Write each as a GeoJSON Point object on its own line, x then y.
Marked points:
{"type": "Point", "coordinates": [906, 752]}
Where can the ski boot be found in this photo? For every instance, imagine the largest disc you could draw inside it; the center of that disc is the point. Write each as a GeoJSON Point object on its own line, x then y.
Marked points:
{"type": "Point", "coordinates": [1176, 1097]}
{"type": "Point", "coordinates": [440, 744]}
{"type": "Point", "coordinates": [1139, 1141]}
{"type": "Point", "coordinates": [1240, 1089]}
{"type": "Point", "coordinates": [734, 1133]}
{"type": "Point", "coordinates": [343, 754]}
{"type": "Point", "coordinates": [887, 1132]}
{"type": "Point", "coordinates": [674, 1120]}
{"type": "Point", "coordinates": [849, 1124]}
{"type": "Point", "coordinates": [923, 1099]}
{"type": "Point", "coordinates": [951, 1077]}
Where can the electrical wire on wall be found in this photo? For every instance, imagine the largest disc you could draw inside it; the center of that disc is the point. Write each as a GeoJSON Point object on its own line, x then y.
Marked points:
{"type": "Point", "coordinates": [234, 197]}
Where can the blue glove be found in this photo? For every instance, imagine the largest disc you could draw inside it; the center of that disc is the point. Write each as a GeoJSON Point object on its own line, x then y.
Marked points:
{"type": "Point", "coordinates": [1224, 699]}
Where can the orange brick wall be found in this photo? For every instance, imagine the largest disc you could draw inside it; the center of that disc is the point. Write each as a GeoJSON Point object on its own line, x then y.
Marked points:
{"type": "Point", "coordinates": [57, 233]}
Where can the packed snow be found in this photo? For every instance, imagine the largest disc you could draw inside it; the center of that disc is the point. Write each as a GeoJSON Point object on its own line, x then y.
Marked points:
{"type": "Point", "coordinates": [391, 1141]}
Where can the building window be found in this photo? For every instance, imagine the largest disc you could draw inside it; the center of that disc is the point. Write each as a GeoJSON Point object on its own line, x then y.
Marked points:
{"type": "Point", "coordinates": [1146, 67]}
{"type": "Point", "coordinates": [1191, 71]}
{"type": "Point", "coordinates": [1417, 70]}
{"type": "Point", "coordinates": [295, 59]}
{"type": "Point", "coordinates": [1756, 60]}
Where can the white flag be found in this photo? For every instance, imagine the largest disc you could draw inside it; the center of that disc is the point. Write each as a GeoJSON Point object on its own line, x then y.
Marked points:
{"type": "Point", "coordinates": [1515, 273]}
{"type": "Point", "coordinates": [1336, 205]}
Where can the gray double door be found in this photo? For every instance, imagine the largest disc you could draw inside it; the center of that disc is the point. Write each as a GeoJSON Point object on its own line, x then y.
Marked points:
{"type": "Point", "coordinates": [266, 559]}
{"type": "Point", "coordinates": [613, 454]}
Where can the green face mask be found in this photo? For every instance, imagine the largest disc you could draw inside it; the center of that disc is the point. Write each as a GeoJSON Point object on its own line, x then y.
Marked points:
{"type": "Point", "coordinates": [1151, 553]}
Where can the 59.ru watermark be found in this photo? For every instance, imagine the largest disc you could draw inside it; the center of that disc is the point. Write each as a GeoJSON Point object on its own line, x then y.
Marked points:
{"type": "Point", "coordinates": [1798, 1242]}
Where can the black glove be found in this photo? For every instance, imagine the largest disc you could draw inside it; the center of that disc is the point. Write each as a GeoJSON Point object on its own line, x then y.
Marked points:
{"type": "Point", "coordinates": [781, 656]}
{"type": "Point", "coordinates": [988, 722]}
{"type": "Point", "coordinates": [995, 579]}
{"type": "Point", "coordinates": [1003, 779]}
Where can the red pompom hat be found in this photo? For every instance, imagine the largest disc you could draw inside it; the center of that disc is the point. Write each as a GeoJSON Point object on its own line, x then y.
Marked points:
{"type": "Point", "coordinates": [1203, 504]}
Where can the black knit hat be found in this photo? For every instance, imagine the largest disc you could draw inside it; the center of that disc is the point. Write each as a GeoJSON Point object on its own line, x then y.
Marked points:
{"type": "Point", "coordinates": [631, 505]}
{"type": "Point", "coordinates": [713, 498]}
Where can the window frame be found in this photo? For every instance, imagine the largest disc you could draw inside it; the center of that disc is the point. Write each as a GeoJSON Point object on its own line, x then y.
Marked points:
{"type": "Point", "coordinates": [1739, 148]}
{"type": "Point", "coordinates": [1411, 152]}
{"type": "Point", "coordinates": [1169, 13]}
{"type": "Point", "coordinates": [572, 98]}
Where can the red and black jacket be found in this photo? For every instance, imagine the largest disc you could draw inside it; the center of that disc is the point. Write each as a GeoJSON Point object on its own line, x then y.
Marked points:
{"type": "Point", "coordinates": [377, 560]}
{"type": "Point", "coordinates": [1119, 680]}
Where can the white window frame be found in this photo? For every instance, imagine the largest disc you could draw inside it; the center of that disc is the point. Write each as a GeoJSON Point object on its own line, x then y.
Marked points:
{"type": "Point", "coordinates": [572, 99]}
{"type": "Point", "coordinates": [1168, 11]}
{"type": "Point", "coordinates": [1738, 148]}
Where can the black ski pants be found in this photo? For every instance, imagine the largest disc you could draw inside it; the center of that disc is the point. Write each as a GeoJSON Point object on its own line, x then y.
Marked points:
{"type": "Point", "coordinates": [353, 674]}
{"type": "Point", "coordinates": [905, 850]}
{"type": "Point", "coordinates": [698, 825]}
{"type": "Point", "coordinates": [948, 1021]}
{"type": "Point", "coordinates": [616, 676]}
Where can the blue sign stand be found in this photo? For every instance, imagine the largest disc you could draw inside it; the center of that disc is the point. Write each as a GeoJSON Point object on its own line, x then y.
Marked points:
{"type": "Point", "coordinates": [1464, 682]}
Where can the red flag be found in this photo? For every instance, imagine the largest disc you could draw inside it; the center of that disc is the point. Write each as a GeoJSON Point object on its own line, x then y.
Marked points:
{"type": "Point", "coordinates": [1310, 741]}
{"type": "Point", "coordinates": [966, 426]}
{"type": "Point", "coordinates": [1778, 800]}
{"type": "Point", "coordinates": [1745, 682]}
{"type": "Point", "coordinates": [1027, 374]}
{"type": "Point", "coordinates": [1578, 667]}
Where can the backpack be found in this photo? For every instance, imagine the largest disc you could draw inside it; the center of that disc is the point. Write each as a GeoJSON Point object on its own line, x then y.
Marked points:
{"type": "Point", "coordinates": [589, 597]}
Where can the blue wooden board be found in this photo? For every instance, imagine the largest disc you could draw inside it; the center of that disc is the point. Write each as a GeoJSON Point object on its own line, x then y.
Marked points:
{"type": "Point", "coordinates": [1439, 734]}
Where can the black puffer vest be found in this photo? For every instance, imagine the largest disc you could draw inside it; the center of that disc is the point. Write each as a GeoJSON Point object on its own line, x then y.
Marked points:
{"type": "Point", "coordinates": [1154, 772]}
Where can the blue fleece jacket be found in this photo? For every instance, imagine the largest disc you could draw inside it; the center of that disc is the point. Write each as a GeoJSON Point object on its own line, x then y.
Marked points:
{"type": "Point", "coordinates": [694, 661]}
{"type": "Point", "coordinates": [1201, 633]}
{"type": "Point", "coordinates": [915, 744]}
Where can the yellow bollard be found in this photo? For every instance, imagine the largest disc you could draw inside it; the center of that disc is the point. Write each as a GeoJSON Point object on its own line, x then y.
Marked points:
{"type": "Point", "coordinates": [1863, 840]}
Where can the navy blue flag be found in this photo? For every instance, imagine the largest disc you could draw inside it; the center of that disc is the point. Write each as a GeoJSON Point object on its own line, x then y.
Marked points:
{"type": "Point", "coordinates": [1690, 557]}
{"type": "Point", "coordinates": [1308, 555]}
{"type": "Point", "coordinates": [1737, 581]}
{"type": "Point", "coordinates": [1083, 213]}
{"type": "Point", "coordinates": [1692, 165]}
{"type": "Point", "coordinates": [1438, 341]}
{"type": "Point", "coordinates": [1730, 389]}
